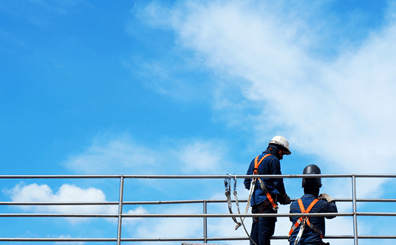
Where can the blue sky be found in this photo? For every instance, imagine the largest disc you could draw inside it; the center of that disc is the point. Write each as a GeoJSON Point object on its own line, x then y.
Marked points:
{"type": "Point", "coordinates": [191, 87]}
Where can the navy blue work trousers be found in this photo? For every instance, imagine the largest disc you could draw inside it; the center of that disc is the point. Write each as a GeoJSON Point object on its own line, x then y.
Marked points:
{"type": "Point", "coordinates": [264, 227]}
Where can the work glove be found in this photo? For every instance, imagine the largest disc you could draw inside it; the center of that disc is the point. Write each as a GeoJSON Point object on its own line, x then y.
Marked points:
{"type": "Point", "coordinates": [285, 199]}
{"type": "Point", "coordinates": [326, 197]}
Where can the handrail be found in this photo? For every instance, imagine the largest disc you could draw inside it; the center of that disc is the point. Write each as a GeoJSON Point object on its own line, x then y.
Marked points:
{"type": "Point", "coordinates": [170, 202]}
{"type": "Point", "coordinates": [192, 215]}
{"type": "Point", "coordinates": [194, 176]}
{"type": "Point", "coordinates": [121, 203]}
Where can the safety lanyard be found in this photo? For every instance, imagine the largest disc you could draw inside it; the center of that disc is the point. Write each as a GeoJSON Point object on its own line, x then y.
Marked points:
{"type": "Point", "coordinates": [227, 183]}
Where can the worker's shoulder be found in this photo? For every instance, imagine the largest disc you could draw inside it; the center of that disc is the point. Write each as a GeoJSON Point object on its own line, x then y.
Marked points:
{"type": "Point", "coordinates": [272, 158]}
{"type": "Point", "coordinates": [266, 155]}
{"type": "Point", "coordinates": [266, 159]}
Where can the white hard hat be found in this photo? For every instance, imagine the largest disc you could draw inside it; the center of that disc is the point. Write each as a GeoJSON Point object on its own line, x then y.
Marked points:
{"type": "Point", "coordinates": [282, 141]}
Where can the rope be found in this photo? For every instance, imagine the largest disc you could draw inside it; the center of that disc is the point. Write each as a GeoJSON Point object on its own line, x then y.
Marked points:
{"type": "Point", "coordinates": [252, 185]}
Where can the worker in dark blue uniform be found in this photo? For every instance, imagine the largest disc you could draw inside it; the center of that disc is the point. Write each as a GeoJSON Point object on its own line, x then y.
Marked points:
{"type": "Point", "coordinates": [267, 191]}
{"type": "Point", "coordinates": [310, 230]}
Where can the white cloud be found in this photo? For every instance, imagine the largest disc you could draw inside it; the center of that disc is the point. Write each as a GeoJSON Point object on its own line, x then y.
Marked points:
{"type": "Point", "coordinates": [339, 109]}
{"type": "Point", "coordinates": [114, 156]}
{"type": "Point", "coordinates": [124, 156]}
{"type": "Point", "coordinates": [166, 227]}
{"type": "Point", "coordinates": [68, 236]}
{"type": "Point", "coordinates": [201, 157]}
{"type": "Point", "coordinates": [138, 210]}
{"type": "Point", "coordinates": [66, 193]}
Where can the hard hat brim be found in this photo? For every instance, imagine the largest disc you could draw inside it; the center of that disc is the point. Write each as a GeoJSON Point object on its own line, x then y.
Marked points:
{"type": "Point", "coordinates": [281, 141]}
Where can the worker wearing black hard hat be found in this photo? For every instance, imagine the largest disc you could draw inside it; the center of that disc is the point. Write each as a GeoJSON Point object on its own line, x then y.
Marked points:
{"type": "Point", "coordinates": [310, 230]}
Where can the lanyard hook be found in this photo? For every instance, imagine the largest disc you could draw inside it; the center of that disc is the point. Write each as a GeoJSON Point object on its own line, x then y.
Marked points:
{"type": "Point", "coordinates": [235, 182]}
{"type": "Point", "coordinates": [227, 183]}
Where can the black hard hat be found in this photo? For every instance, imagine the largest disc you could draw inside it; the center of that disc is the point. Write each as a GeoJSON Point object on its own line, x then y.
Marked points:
{"type": "Point", "coordinates": [312, 182]}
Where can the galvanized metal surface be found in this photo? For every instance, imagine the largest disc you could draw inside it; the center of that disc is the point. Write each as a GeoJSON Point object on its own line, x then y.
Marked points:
{"type": "Point", "coordinates": [193, 176]}
{"type": "Point", "coordinates": [173, 239]}
{"type": "Point", "coordinates": [205, 222]}
{"type": "Point", "coordinates": [165, 202]}
{"type": "Point", "coordinates": [36, 215]}
{"type": "Point", "coordinates": [204, 215]}
{"type": "Point", "coordinates": [355, 227]}
{"type": "Point", "coordinates": [120, 210]}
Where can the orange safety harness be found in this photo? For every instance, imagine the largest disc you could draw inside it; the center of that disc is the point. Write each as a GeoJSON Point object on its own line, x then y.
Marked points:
{"type": "Point", "coordinates": [262, 185]}
{"type": "Point", "coordinates": [305, 219]}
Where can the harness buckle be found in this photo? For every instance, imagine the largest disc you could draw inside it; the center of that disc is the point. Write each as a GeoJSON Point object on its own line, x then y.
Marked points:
{"type": "Point", "coordinates": [300, 232]}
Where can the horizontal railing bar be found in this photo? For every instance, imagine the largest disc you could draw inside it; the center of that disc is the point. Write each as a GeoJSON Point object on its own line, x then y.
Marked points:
{"type": "Point", "coordinates": [117, 203]}
{"type": "Point", "coordinates": [286, 237]}
{"type": "Point", "coordinates": [253, 215]}
{"type": "Point", "coordinates": [122, 239]}
{"type": "Point", "coordinates": [226, 238]}
{"type": "Point", "coordinates": [56, 203]}
{"type": "Point", "coordinates": [164, 202]}
{"type": "Point", "coordinates": [374, 214]}
{"type": "Point", "coordinates": [60, 176]}
{"type": "Point", "coordinates": [36, 215]}
{"type": "Point", "coordinates": [365, 200]}
{"type": "Point", "coordinates": [6, 215]}
{"type": "Point", "coordinates": [242, 200]}
{"type": "Point", "coordinates": [58, 239]}
{"type": "Point", "coordinates": [192, 176]}
{"type": "Point", "coordinates": [377, 237]}
{"type": "Point", "coordinates": [171, 239]}
{"type": "Point", "coordinates": [281, 238]}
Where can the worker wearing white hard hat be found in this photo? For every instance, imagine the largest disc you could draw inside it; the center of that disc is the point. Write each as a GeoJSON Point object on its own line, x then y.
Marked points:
{"type": "Point", "coordinates": [267, 192]}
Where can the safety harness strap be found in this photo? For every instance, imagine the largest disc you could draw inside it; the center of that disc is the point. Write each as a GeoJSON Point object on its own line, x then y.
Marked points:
{"type": "Point", "coordinates": [306, 219]}
{"type": "Point", "coordinates": [262, 185]}
{"type": "Point", "coordinates": [257, 164]}
{"type": "Point", "coordinates": [300, 203]}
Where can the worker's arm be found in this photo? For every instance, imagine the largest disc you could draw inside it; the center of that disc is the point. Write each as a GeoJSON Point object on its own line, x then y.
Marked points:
{"type": "Point", "coordinates": [331, 207]}
{"type": "Point", "coordinates": [246, 182]}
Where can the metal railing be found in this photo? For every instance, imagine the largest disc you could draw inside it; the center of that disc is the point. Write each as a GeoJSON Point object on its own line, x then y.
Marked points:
{"type": "Point", "coordinates": [121, 203]}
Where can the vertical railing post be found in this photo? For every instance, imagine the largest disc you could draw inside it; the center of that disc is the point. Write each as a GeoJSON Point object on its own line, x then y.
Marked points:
{"type": "Point", "coordinates": [355, 228]}
{"type": "Point", "coordinates": [205, 222]}
{"type": "Point", "coordinates": [120, 210]}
